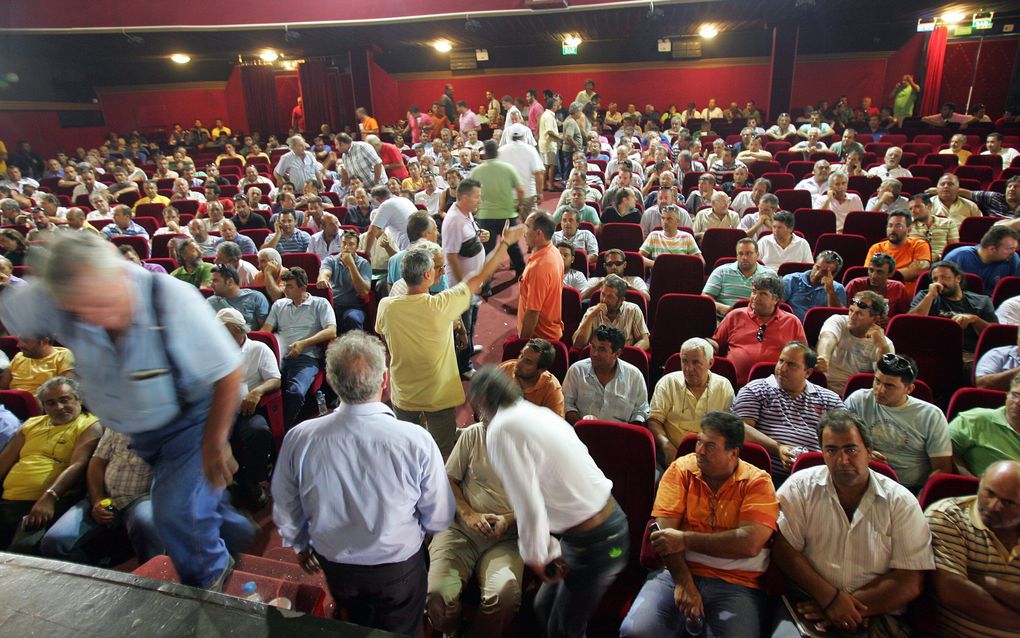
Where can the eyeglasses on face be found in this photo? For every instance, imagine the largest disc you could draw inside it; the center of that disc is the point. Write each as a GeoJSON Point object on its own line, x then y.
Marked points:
{"type": "Point", "coordinates": [860, 304]}
{"type": "Point", "coordinates": [615, 263]}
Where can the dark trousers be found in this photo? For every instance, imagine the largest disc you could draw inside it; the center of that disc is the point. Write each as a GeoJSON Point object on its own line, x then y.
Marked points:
{"type": "Point", "coordinates": [390, 597]}
{"type": "Point", "coordinates": [251, 442]}
{"type": "Point", "coordinates": [495, 228]}
{"type": "Point", "coordinates": [469, 319]}
{"type": "Point", "coordinates": [565, 163]}
{"type": "Point", "coordinates": [594, 559]}
{"type": "Point", "coordinates": [15, 538]}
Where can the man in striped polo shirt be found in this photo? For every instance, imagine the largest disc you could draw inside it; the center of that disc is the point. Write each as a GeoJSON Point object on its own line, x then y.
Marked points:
{"type": "Point", "coordinates": [977, 574]}
{"type": "Point", "coordinates": [286, 236]}
{"type": "Point", "coordinates": [782, 411]}
{"type": "Point", "coordinates": [729, 283]}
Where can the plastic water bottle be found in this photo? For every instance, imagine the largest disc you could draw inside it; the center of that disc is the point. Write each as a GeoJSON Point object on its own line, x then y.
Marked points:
{"type": "Point", "coordinates": [250, 592]}
{"type": "Point", "coordinates": [320, 401]}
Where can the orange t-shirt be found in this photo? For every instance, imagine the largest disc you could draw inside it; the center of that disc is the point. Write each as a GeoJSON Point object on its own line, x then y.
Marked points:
{"type": "Point", "coordinates": [542, 290]}
{"type": "Point", "coordinates": [748, 496]}
{"type": "Point", "coordinates": [912, 249]}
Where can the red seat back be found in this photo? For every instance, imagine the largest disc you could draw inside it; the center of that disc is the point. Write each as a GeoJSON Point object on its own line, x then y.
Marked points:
{"type": "Point", "coordinates": [512, 349]}
{"type": "Point", "coordinates": [23, 404]}
{"type": "Point", "coordinates": [812, 459]}
{"type": "Point", "coordinates": [678, 318]}
{"type": "Point", "coordinates": [940, 486]}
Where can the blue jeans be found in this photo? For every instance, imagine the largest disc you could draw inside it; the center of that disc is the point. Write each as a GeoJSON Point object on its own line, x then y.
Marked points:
{"type": "Point", "coordinates": [298, 374]}
{"type": "Point", "coordinates": [730, 610]}
{"type": "Point", "coordinates": [71, 534]}
{"type": "Point", "coordinates": [469, 319]}
{"type": "Point", "coordinates": [350, 318]}
{"type": "Point", "coordinates": [196, 522]}
{"type": "Point", "coordinates": [594, 559]}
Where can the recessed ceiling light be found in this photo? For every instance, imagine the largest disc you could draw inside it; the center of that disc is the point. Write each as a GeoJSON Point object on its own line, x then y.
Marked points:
{"type": "Point", "coordinates": [443, 46]}
{"type": "Point", "coordinates": [952, 17]}
{"type": "Point", "coordinates": [269, 56]}
{"type": "Point", "coordinates": [708, 31]}
{"type": "Point", "coordinates": [572, 40]}
{"type": "Point", "coordinates": [180, 58]}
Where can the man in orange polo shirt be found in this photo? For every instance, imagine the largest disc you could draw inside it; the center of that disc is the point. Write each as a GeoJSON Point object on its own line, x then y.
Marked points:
{"type": "Point", "coordinates": [912, 254]}
{"type": "Point", "coordinates": [539, 307]}
{"type": "Point", "coordinates": [716, 514]}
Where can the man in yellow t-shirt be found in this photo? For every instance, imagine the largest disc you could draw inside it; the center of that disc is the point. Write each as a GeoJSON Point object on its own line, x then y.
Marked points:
{"type": "Point", "coordinates": [38, 361]}
{"type": "Point", "coordinates": [152, 195]}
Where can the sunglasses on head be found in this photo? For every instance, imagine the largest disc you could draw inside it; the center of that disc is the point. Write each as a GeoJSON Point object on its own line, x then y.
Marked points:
{"type": "Point", "coordinates": [896, 363]}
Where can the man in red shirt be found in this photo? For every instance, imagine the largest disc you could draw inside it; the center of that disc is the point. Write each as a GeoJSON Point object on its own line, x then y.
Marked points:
{"type": "Point", "coordinates": [880, 270]}
{"type": "Point", "coordinates": [439, 121]}
{"type": "Point", "coordinates": [392, 158]}
{"type": "Point", "coordinates": [539, 309]}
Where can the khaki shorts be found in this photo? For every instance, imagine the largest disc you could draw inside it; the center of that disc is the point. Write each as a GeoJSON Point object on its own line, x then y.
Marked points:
{"type": "Point", "coordinates": [466, 552]}
{"type": "Point", "coordinates": [549, 159]}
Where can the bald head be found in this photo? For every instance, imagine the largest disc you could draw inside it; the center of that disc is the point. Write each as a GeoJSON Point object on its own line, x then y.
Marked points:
{"type": "Point", "coordinates": [999, 496]}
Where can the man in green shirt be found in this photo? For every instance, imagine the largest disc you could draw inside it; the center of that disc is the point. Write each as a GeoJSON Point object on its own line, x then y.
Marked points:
{"type": "Point", "coordinates": [983, 436]}
{"type": "Point", "coordinates": [501, 192]}
{"type": "Point", "coordinates": [192, 269]}
{"type": "Point", "coordinates": [585, 213]}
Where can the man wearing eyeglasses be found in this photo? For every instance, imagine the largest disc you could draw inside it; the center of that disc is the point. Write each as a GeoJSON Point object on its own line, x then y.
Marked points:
{"type": "Point", "coordinates": [815, 287]}
{"type": "Point", "coordinates": [853, 542]}
{"type": "Point", "coordinates": [911, 434]}
{"type": "Point", "coordinates": [852, 343]}
{"type": "Point", "coordinates": [615, 263]}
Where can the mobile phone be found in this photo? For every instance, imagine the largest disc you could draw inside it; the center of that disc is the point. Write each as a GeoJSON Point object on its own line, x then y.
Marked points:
{"type": "Point", "coordinates": [654, 527]}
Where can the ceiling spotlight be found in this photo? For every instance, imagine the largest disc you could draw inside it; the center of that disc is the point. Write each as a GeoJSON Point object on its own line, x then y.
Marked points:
{"type": "Point", "coordinates": [180, 58]}
{"type": "Point", "coordinates": [269, 55]}
{"type": "Point", "coordinates": [443, 46]}
{"type": "Point", "coordinates": [953, 17]}
{"type": "Point", "coordinates": [708, 31]}
{"type": "Point", "coordinates": [572, 40]}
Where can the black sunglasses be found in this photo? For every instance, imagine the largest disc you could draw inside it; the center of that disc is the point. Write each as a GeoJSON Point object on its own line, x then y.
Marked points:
{"type": "Point", "coordinates": [761, 332]}
{"type": "Point", "coordinates": [615, 263]}
{"type": "Point", "coordinates": [897, 363]}
{"type": "Point", "coordinates": [860, 304]}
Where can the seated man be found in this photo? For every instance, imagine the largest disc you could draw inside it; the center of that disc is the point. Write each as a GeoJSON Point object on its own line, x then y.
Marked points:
{"type": "Point", "coordinates": [838, 200]}
{"type": "Point", "coordinates": [118, 483]}
{"type": "Point", "coordinates": [854, 541]}
{"type": "Point", "coordinates": [251, 438]}
{"type": "Point", "coordinates": [975, 582]}
{"type": "Point", "coordinates": [911, 434]}
{"type": "Point", "coordinates": [624, 203]}
{"type": "Point", "coordinates": [577, 203]}
{"type": "Point", "coordinates": [718, 215]}
{"type": "Point", "coordinates": [982, 436]}
{"type": "Point", "coordinates": [731, 282]}
{"type": "Point", "coordinates": [193, 269]}
{"type": "Point", "coordinates": [854, 342]}
{"type": "Point", "coordinates": [9, 422]}
{"type": "Point", "coordinates": [38, 361]}
{"type": "Point", "coordinates": [286, 236]}
{"type": "Point", "coordinates": [950, 203]}
{"type": "Point", "coordinates": [228, 232]}
{"type": "Point", "coordinates": [205, 241]}
{"type": "Point", "coordinates": [890, 167]}
{"type": "Point", "coordinates": [815, 287]}
{"type": "Point", "coordinates": [670, 240]}
{"type": "Point", "coordinates": [615, 262]}
{"type": "Point", "coordinates": [614, 310]}
{"type": "Point", "coordinates": [251, 304]}
{"type": "Point", "coordinates": [229, 253]}
{"type": "Point", "coordinates": [946, 297]}
{"type": "Point", "coordinates": [817, 183]}
{"type": "Point", "coordinates": [994, 258]}
{"type": "Point", "coordinates": [481, 540]}
{"type": "Point", "coordinates": [122, 224]}
{"type": "Point", "coordinates": [43, 465]}
{"type": "Point", "coordinates": [571, 277]}
{"type": "Point", "coordinates": [879, 281]}
{"type": "Point", "coordinates": [716, 514]}
{"type": "Point", "coordinates": [937, 231]}
{"type": "Point", "coordinates": [579, 238]}
{"type": "Point", "coordinates": [531, 371]}
{"type": "Point", "coordinates": [681, 399]}
{"type": "Point", "coordinates": [305, 322]}
{"type": "Point", "coordinates": [887, 198]}
{"type": "Point", "coordinates": [782, 410]}
{"type": "Point", "coordinates": [604, 387]}
{"type": "Point", "coordinates": [996, 368]}
{"type": "Point", "coordinates": [759, 222]}
{"type": "Point", "coordinates": [350, 276]}
{"type": "Point", "coordinates": [326, 242]}
{"type": "Point", "coordinates": [783, 245]}
{"type": "Point", "coordinates": [759, 331]}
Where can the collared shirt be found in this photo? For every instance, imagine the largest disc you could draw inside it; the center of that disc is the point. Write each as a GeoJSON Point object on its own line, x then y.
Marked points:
{"type": "Point", "coordinates": [739, 330]}
{"type": "Point", "coordinates": [1007, 154]}
{"type": "Point", "coordinates": [942, 232]}
{"type": "Point", "coordinates": [679, 411]}
{"type": "Point", "coordinates": [900, 203]}
{"type": "Point", "coordinates": [133, 230]}
{"type": "Point", "coordinates": [470, 467]}
{"type": "Point", "coordinates": [790, 420]}
{"type": "Point", "coordinates": [747, 496]}
{"type": "Point", "coordinates": [393, 214]}
{"type": "Point", "coordinates": [328, 492]}
{"type": "Point", "coordinates": [9, 424]}
{"type": "Point", "coordinates": [623, 399]}
{"type": "Point", "coordinates": [773, 255]}
{"type": "Point", "coordinates": [541, 290]}
{"type": "Point", "coordinates": [630, 321]}
{"type": "Point", "coordinates": [458, 228]}
{"type": "Point", "coordinates": [884, 172]}
{"type": "Point", "coordinates": [545, 392]}
{"type": "Point", "coordinates": [957, 211]}
{"type": "Point", "coordinates": [706, 219]}
{"type": "Point", "coordinates": [360, 160]}
{"type": "Point", "coordinates": [583, 239]}
{"type": "Point", "coordinates": [994, 204]}
{"type": "Point", "coordinates": [298, 170]}
{"type": "Point", "coordinates": [659, 243]}
{"type": "Point", "coordinates": [802, 295]}
{"type": "Point", "coordinates": [811, 185]}
{"type": "Point", "coordinates": [997, 360]}
{"type": "Point", "coordinates": [200, 277]}
{"type": "Point", "coordinates": [888, 530]}
{"type": "Point", "coordinates": [341, 280]}
{"type": "Point", "coordinates": [963, 545]}
{"type": "Point", "coordinates": [129, 382]}
{"type": "Point", "coordinates": [258, 363]}
{"type": "Point", "coordinates": [549, 476]}
{"type": "Point", "coordinates": [982, 436]}
{"type": "Point", "coordinates": [300, 321]}
{"type": "Point", "coordinates": [909, 435]}
{"type": "Point", "coordinates": [728, 285]}
{"type": "Point", "coordinates": [296, 243]}
{"type": "Point", "coordinates": [840, 209]}
{"type": "Point", "coordinates": [851, 354]}
{"type": "Point", "coordinates": [635, 283]}
{"type": "Point", "coordinates": [252, 305]}
{"type": "Point", "coordinates": [525, 160]}
{"type": "Point", "coordinates": [127, 476]}
{"type": "Point", "coordinates": [317, 244]}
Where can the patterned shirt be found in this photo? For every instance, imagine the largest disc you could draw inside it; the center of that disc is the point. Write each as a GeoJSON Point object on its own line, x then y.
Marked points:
{"type": "Point", "coordinates": [127, 476]}
{"type": "Point", "coordinates": [658, 243]}
{"type": "Point", "coordinates": [296, 243]}
{"type": "Point", "coordinates": [942, 232]}
{"type": "Point", "coordinates": [629, 321]}
{"type": "Point", "coordinates": [728, 285]}
{"type": "Point", "coordinates": [112, 230]}
{"type": "Point", "coordinates": [582, 239]}
{"type": "Point", "coordinates": [360, 160]}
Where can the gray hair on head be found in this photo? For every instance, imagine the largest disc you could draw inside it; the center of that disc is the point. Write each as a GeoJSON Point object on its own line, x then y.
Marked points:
{"type": "Point", "coordinates": [272, 255]}
{"type": "Point", "coordinates": [491, 390]}
{"type": "Point", "coordinates": [697, 343]}
{"type": "Point", "coordinates": [71, 256]}
{"type": "Point", "coordinates": [56, 382]}
{"type": "Point", "coordinates": [355, 365]}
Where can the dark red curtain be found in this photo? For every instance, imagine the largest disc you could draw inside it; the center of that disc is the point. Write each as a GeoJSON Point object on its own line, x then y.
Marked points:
{"type": "Point", "coordinates": [260, 99]}
{"type": "Point", "coordinates": [315, 88]}
{"type": "Point", "coordinates": [935, 59]}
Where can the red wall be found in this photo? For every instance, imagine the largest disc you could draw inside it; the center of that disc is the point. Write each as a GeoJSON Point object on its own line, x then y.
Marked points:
{"type": "Point", "coordinates": [386, 104]}
{"type": "Point", "coordinates": [162, 107]}
{"type": "Point", "coordinates": [816, 80]}
{"type": "Point", "coordinates": [991, 83]}
{"type": "Point", "coordinates": [42, 129]}
{"type": "Point", "coordinates": [237, 113]}
{"type": "Point", "coordinates": [288, 88]}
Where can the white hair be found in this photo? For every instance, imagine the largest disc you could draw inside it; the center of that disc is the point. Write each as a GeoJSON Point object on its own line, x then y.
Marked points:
{"type": "Point", "coordinates": [697, 343]}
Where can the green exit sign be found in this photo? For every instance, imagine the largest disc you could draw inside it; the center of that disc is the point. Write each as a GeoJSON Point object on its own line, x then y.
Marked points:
{"type": "Point", "coordinates": [982, 22]}
{"type": "Point", "coordinates": [569, 49]}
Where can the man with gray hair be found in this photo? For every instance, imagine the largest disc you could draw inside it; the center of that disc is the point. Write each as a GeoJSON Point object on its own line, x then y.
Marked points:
{"type": "Point", "coordinates": [229, 253]}
{"type": "Point", "coordinates": [9, 210]}
{"type": "Point", "coordinates": [890, 168]}
{"type": "Point", "coordinates": [358, 159]}
{"type": "Point", "coordinates": [887, 198]}
{"type": "Point", "coordinates": [298, 166]}
{"type": "Point", "coordinates": [370, 549]}
{"type": "Point", "coordinates": [173, 390]}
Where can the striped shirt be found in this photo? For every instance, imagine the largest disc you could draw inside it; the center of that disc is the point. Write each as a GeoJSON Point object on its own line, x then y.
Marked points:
{"type": "Point", "coordinates": [964, 546]}
{"type": "Point", "coordinates": [658, 243]}
{"type": "Point", "coordinates": [728, 285]}
{"type": "Point", "coordinates": [942, 232]}
{"type": "Point", "coordinates": [296, 243]}
{"type": "Point", "coordinates": [888, 530]}
{"type": "Point", "coordinates": [787, 419]}
{"type": "Point", "coordinates": [582, 239]}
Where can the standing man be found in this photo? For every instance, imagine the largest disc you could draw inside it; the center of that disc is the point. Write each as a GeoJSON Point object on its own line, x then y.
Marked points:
{"type": "Point", "coordinates": [359, 160]}
{"type": "Point", "coordinates": [447, 104]}
{"type": "Point", "coordinates": [298, 166]}
{"type": "Point", "coordinates": [371, 549]}
{"type": "Point", "coordinates": [554, 487]}
{"type": "Point", "coordinates": [500, 182]}
{"type": "Point", "coordinates": [391, 213]}
{"type": "Point", "coordinates": [173, 391]}
{"type": "Point", "coordinates": [528, 164]}
{"type": "Point", "coordinates": [539, 308]}
{"type": "Point", "coordinates": [465, 255]}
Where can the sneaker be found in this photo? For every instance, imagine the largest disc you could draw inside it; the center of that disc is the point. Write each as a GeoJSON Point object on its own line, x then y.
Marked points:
{"type": "Point", "coordinates": [218, 584]}
{"type": "Point", "coordinates": [254, 496]}
{"type": "Point", "coordinates": [467, 375]}
{"type": "Point", "coordinates": [477, 350]}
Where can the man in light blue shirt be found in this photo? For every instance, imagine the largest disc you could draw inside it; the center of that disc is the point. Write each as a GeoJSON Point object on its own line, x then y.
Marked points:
{"type": "Point", "coordinates": [9, 424]}
{"type": "Point", "coordinates": [350, 276]}
{"type": "Point", "coordinates": [997, 367]}
{"type": "Point", "coordinates": [994, 258]}
{"type": "Point", "coordinates": [252, 304]}
{"type": "Point", "coordinates": [815, 287]}
{"type": "Point", "coordinates": [603, 386]}
{"type": "Point", "coordinates": [334, 504]}
{"type": "Point", "coordinates": [122, 224]}
{"type": "Point", "coordinates": [156, 365]}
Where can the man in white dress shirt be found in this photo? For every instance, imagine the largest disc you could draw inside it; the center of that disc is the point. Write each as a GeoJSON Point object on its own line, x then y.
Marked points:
{"type": "Point", "coordinates": [573, 500]}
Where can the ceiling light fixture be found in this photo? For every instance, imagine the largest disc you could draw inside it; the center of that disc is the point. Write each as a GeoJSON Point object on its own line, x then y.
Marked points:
{"type": "Point", "coordinates": [443, 46]}
{"type": "Point", "coordinates": [572, 40]}
{"type": "Point", "coordinates": [708, 31]}
{"type": "Point", "coordinates": [953, 17]}
{"type": "Point", "coordinates": [180, 58]}
{"type": "Point", "coordinates": [269, 55]}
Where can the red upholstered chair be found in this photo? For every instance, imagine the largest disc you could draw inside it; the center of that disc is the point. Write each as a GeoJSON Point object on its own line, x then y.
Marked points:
{"type": "Point", "coordinates": [271, 405]}
{"type": "Point", "coordinates": [1005, 288]}
{"type": "Point", "coordinates": [168, 264]}
{"type": "Point", "coordinates": [571, 313]}
{"type": "Point", "coordinates": [993, 162]}
{"type": "Point", "coordinates": [994, 336]}
{"type": "Point", "coordinates": [139, 243]}
{"type": "Point", "coordinates": [932, 139]}
{"type": "Point", "coordinates": [23, 404]}
{"type": "Point", "coordinates": [931, 171]}
{"type": "Point", "coordinates": [581, 261]}
{"type": "Point", "coordinates": [940, 486]}
{"type": "Point", "coordinates": [786, 157]}
{"type": "Point", "coordinates": [9, 346]}
{"type": "Point", "coordinates": [150, 224]}
{"type": "Point", "coordinates": [969, 398]}
{"type": "Point", "coordinates": [626, 454]}
{"type": "Point", "coordinates": [720, 242]}
{"type": "Point", "coordinates": [777, 146]}
{"type": "Point", "coordinates": [780, 180]}
{"type": "Point", "coordinates": [972, 229]}
{"type": "Point", "coordinates": [720, 365]}
{"type": "Point", "coordinates": [626, 237]}
{"type": "Point", "coordinates": [812, 459]}
{"type": "Point", "coordinates": [512, 348]}
{"type": "Point", "coordinates": [914, 185]}
{"type": "Point", "coordinates": [789, 267]}
{"type": "Point", "coordinates": [865, 185]}
{"type": "Point", "coordinates": [678, 318]}
{"type": "Point", "coordinates": [792, 198]}
{"type": "Point", "coordinates": [149, 210]}
{"type": "Point", "coordinates": [800, 169]}
{"type": "Point", "coordinates": [936, 343]}
{"type": "Point", "coordinates": [675, 273]}
{"type": "Point", "coordinates": [257, 235]}
{"type": "Point", "coordinates": [870, 226]}
{"type": "Point", "coordinates": [761, 167]}
{"type": "Point", "coordinates": [948, 162]}
{"type": "Point", "coordinates": [753, 453]}
{"type": "Point", "coordinates": [185, 206]}
{"type": "Point", "coordinates": [310, 262]}
{"type": "Point", "coordinates": [814, 319]}
{"type": "Point", "coordinates": [917, 148]}
{"type": "Point", "coordinates": [864, 381]}
{"type": "Point", "coordinates": [814, 223]}
{"type": "Point", "coordinates": [327, 294]}
{"type": "Point", "coordinates": [983, 174]}
{"type": "Point", "coordinates": [852, 248]}
{"type": "Point", "coordinates": [161, 244]}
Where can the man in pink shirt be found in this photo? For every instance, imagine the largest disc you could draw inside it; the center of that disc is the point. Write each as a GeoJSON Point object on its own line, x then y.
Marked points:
{"type": "Point", "coordinates": [535, 110]}
{"type": "Point", "coordinates": [468, 121]}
